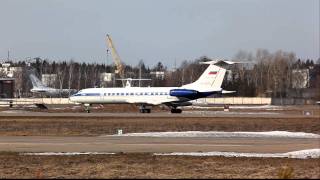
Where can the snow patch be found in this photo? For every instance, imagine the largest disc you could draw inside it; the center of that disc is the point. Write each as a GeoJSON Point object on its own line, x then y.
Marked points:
{"type": "Point", "coordinates": [303, 154]}
{"type": "Point", "coordinates": [263, 107]}
{"type": "Point", "coordinates": [218, 134]}
{"type": "Point", "coordinates": [65, 153]}
{"type": "Point", "coordinates": [266, 107]}
{"type": "Point", "coordinates": [228, 112]}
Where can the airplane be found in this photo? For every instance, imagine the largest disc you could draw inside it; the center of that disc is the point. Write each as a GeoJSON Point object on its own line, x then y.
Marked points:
{"type": "Point", "coordinates": [38, 87]}
{"type": "Point", "coordinates": [209, 83]}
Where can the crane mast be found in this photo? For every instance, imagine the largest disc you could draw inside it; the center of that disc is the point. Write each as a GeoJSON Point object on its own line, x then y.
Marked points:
{"type": "Point", "coordinates": [115, 57]}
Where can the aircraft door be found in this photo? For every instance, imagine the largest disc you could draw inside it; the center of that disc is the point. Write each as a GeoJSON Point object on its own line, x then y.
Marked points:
{"type": "Point", "coordinates": [102, 97]}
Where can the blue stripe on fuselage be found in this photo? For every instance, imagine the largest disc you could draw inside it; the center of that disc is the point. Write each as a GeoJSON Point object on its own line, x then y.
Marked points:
{"type": "Point", "coordinates": [87, 94]}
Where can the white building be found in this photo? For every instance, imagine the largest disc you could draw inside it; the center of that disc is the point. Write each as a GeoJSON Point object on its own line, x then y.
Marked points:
{"type": "Point", "coordinates": [8, 70]}
{"type": "Point", "coordinates": [158, 74]}
{"type": "Point", "coordinates": [106, 77]}
{"type": "Point", "coordinates": [49, 79]}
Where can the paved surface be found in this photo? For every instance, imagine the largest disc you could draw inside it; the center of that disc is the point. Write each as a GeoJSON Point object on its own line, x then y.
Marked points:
{"type": "Point", "coordinates": [148, 144]}
{"type": "Point", "coordinates": [19, 113]}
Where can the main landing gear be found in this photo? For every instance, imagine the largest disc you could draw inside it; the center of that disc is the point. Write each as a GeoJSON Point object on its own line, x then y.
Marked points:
{"type": "Point", "coordinates": [175, 110]}
{"type": "Point", "coordinates": [144, 109]}
{"type": "Point", "coordinates": [87, 107]}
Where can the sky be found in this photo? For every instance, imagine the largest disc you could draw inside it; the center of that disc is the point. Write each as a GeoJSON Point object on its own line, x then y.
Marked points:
{"type": "Point", "coordinates": [156, 30]}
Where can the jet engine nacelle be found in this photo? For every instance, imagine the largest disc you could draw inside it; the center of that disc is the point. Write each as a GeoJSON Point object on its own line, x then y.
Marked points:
{"type": "Point", "coordinates": [183, 92]}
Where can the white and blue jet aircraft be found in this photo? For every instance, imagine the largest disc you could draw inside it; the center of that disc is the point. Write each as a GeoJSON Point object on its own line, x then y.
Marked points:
{"type": "Point", "coordinates": [209, 83]}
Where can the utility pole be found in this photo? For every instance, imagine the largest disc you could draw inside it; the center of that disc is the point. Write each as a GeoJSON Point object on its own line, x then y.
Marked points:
{"type": "Point", "coordinates": [140, 75]}
{"type": "Point", "coordinates": [182, 78]}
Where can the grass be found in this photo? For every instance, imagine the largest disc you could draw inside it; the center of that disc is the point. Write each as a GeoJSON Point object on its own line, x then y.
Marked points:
{"type": "Point", "coordinates": [143, 165]}
{"type": "Point", "coordinates": [286, 172]}
{"type": "Point", "coordinates": [94, 126]}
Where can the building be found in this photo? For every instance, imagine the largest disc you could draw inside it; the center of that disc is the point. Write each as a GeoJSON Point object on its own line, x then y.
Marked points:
{"type": "Point", "coordinates": [158, 74]}
{"type": "Point", "coordinates": [6, 70]}
{"type": "Point", "coordinates": [7, 87]}
{"type": "Point", "coordinates": [106, 77]}
{"type": "Point", "coordinates": [49, 79]}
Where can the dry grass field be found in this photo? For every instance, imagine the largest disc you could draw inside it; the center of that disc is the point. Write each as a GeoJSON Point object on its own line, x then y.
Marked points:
{"type": "Point", "coordinates": [141, 165]}
{"type": "Point", "coordinates": [94, 126]}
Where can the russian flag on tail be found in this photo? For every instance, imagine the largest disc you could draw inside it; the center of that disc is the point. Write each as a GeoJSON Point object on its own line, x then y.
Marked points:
{"type": "Point", "coordinates": [212, 72]}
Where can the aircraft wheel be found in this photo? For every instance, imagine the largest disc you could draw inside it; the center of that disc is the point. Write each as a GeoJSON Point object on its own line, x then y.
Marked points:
{"type": "Point", "coordinates": [174, 110]}
{"type": "Point", "coordinates": [145, 110]}
{"type": "Point", "coordinates": [87, 107]}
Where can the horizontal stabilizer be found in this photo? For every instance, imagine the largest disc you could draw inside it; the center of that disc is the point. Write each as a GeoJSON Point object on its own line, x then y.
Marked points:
{"type": "Point", "coordinates": [130, 79]}
{"type": "Point", "coordinates": [219, 62]}
{"type": "Point", "coordinates": [228, 92]}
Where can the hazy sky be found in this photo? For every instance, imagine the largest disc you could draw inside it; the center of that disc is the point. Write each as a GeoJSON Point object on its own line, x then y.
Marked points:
{"type": "Point", "coordinates": [156, 30]}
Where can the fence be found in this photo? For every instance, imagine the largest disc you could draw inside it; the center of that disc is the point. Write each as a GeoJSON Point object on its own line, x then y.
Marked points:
{"type": "Point", "coordinates": [292, 101]}
{"type": "Point", "coordinates": [236, 100]}
{"type": "Point", "coordinates": [26, 101]}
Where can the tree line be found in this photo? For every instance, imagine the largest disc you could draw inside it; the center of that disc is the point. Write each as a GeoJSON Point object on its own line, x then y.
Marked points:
{"type": "Point", "coordinates": [262, 73]}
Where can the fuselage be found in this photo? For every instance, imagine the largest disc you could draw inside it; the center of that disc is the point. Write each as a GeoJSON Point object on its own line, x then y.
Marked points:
{"type": "Point", "coordinates": [123, 95]}
{"type": "Point", "coordinates": [137, 95]}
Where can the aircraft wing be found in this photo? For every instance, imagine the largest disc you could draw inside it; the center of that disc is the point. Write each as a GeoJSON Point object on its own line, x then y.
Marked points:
{"type": "Point", "coordinates": [148, 102]}
{"type": "Point", "coordinates": [14, 100]}
{"type": "Point", "coordinates": [159, 102]}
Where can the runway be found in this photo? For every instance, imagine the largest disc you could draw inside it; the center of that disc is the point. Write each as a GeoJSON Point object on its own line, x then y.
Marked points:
{"type": "Point", "coordinates": [11, 114]}
{"type": "Point", "coordinates": [116, 144]}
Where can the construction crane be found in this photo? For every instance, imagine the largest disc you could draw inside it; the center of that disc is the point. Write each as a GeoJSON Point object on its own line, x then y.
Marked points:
{"type": "Point", "coordinates": [120, 66]}
{"type": "Point", "coordinates": [115, 57]}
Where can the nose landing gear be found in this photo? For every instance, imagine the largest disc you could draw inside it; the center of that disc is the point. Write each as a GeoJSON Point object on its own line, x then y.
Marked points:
{"type": "Point", "coordinates": [144, 109]}
{"type": "Point", "coordinates": [87, 107]}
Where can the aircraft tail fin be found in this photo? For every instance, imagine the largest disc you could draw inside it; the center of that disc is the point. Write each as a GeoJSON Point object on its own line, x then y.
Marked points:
{"type": "Point", "coordinates": [35, 81]}
{"type": "Point", "coordinates": [210, 80]}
